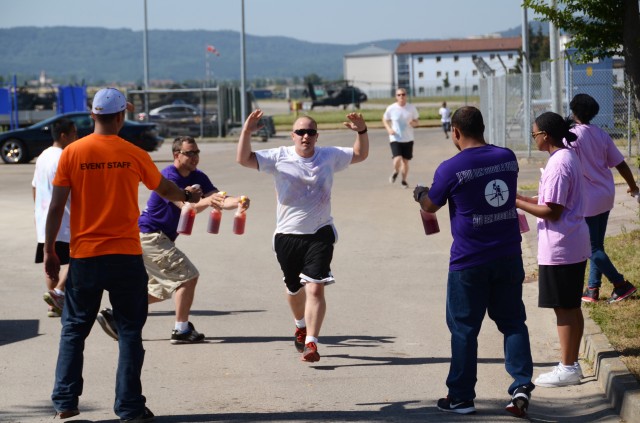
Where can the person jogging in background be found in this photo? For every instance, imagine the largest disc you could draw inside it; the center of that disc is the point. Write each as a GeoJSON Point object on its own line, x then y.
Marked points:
{"type": "Point", "coordinates": [399, 119]}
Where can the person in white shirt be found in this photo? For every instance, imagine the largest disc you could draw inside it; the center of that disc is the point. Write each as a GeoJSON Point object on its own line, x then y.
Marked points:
{"type": "Point", "coordinates": [305, 235]}
{"type": "Point", "coordinates": [64, 132]}
{"type": "Point", "coordinates": [399, 119]}
{"type": "Point", "coordinates": [445, 118]}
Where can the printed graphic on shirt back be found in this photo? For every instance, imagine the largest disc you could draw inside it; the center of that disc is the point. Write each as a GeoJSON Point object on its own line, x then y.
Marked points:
{"type": "Point", "coordinates": [496, 192]}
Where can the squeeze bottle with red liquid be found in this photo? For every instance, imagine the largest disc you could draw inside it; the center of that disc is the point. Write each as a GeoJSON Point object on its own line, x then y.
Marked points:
{"type": "Point", "coordinates": [522, 221]}
{"type": "Point", "coordinates": [187, 217]}
{"type": "Point", "coordinates": [213, 226]}
{"type": "Point", "coordinates": [240, 218]}
{"type": "Point", "coordinates": [430, 222]}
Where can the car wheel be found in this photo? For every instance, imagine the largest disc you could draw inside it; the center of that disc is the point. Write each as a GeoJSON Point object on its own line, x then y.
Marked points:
{"type": "Point", "coordinates": [14, 151]}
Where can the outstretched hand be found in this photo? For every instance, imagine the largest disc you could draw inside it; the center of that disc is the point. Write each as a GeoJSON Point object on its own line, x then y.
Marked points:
{"type": "Point", "coordinates": [252, 123]}
{"type": "Point", "coordinates": [356, 122]}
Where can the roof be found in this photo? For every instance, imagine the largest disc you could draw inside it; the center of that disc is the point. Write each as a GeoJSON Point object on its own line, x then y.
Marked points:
{"type": "Point", "coordinates": [460, 46]}
{"type": "Point", "coordinates": [370, 51]}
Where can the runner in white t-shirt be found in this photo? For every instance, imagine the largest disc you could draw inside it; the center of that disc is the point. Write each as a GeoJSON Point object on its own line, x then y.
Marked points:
{"type": "Point", "coordinates": [445, 118]}
{"type": "Point", "coordinates": [399, 119]}
{"type": "Point", "coordinates": [305, 235]}
{"type": "Point", "coordinates": [64, 132]}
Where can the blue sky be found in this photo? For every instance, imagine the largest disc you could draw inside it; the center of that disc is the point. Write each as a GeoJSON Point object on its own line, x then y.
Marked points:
{"type": "Point", "coordinates": [330, 21]}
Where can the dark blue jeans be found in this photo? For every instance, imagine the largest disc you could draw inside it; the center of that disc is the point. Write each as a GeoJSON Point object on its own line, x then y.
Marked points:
{"type": "Point", "coordinates": [599, 262]}
{"type": "Point", "coordinates": [125, 278]}
{"type": "Point", "coordinates": [495, 287]}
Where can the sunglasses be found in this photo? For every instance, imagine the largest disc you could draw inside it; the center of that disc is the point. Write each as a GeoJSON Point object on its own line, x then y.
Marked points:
{"type": "Point", "coordinates": [303, 132]}
{"type": "Point", "coordinates": [401, 95]}
{"type": "Point", "coordinates": [190, 153]}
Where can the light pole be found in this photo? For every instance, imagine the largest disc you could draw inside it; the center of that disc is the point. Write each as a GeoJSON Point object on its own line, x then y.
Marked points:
{"type": "Point", "coordinates": [243, 76]}
{"type": "Point", "coordinates": [145, 52]}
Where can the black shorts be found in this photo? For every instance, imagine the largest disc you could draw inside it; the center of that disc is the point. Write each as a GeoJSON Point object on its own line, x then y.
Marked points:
{"type": "Point", "coordinates": [62, 250]}
{"type": "Point", "coordinates": [560, 286]}
{"type": "Point", "coordinates": [404, 149]}
{"type": "Point", "coordinates": [305, 257]}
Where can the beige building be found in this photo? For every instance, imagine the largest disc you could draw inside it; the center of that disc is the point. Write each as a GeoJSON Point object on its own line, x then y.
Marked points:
{"type": "Point", "coordinates": [372, 70]}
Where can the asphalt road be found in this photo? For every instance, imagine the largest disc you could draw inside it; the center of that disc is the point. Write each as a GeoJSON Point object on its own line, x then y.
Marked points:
{"type": "Point", "coordinates": [384, 343]}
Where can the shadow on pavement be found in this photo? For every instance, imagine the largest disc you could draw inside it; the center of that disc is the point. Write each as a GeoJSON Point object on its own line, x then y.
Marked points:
{"type": "Point", "coordinates": [17, 330]}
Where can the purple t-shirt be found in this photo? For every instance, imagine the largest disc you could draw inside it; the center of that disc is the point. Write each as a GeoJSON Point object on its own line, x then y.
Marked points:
{"type": "Point", "coordinates": [480, 185]}
{"type": "Point", "coordinates": [163, 215]}
{"type": "Point", "coordinates": [566, 240]}
{"type": "Point", "coordinates": [597, 154]}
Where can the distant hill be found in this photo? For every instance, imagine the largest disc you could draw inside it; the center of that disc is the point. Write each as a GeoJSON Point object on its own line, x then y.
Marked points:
{"type": "Point", "coordinates": [100, 55]}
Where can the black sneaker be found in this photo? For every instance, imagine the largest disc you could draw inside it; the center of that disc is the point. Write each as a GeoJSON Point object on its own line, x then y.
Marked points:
{"type": "Point", "coordinates": [454, 405]}
{"type": "Point", "coordinates": [393, 177]}
{"type": "Point", "coordinates": [405, 185]}
{"type": "Point", "coordinates": [301, 335]}
{"type": "Point", "coordinates": [622, 291]}
{"type": "Point", "coordinates": [192, 336]}
{"type": "Point", "coordinates": [519, 402]}
{"type": "Point", "coordinates": [591, 295]}
{"type": "Point", "coordinates": [145, 417]}
{"type": "Point", "coordinates": [107, 323]}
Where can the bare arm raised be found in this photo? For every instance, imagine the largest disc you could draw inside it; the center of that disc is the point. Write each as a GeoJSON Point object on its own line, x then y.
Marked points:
{"type": "Point", "coordinates": [244, 155]}
{"type": "Point", "coordinates": [361, 145]}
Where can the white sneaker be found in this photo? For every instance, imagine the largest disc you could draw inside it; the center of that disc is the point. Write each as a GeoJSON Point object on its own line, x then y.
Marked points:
{"type": "Point", "coordinates": [578, 369]}
{"type": "Point", "coordinates": [558, 377]}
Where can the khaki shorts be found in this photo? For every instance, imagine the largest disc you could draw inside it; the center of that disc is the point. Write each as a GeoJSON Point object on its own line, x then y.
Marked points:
{"type": "Point", "coordinates": [166, 265]}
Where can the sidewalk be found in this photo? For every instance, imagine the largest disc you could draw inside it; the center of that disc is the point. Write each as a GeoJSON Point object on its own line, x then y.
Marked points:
{"type": "Point", "coordinates": [384, 344]}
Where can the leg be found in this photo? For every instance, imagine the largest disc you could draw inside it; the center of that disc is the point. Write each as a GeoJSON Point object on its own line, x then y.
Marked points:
{"type": "Point", "coordinates": [507, 310]}
{"type": "Point", "coordinates": [405, 169]}
{"type": "Point", "coordinates": [184, 299]}
{"type": "Point", "coordinates": [62, 280]}
{"type": "Point", "coordinates": [570, 327]}
{"type": "Point", "coordinates": [128, 295]}
{"type": "Point", "coordinates": [84, 292]}
{"type": "Point", "coordinates": [297, 303]}
{"type": "Point", "coordinates": [315, 308]}
{"type": "Point", "coordinates": [599, 261]}
{"type": "Point", "coordinates": [397, 164]}
{"type": "Point", "coordinates": [467, 299]}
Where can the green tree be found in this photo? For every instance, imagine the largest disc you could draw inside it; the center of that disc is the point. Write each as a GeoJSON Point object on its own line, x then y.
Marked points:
{"type": "Point", "coordinates": [599, 29]}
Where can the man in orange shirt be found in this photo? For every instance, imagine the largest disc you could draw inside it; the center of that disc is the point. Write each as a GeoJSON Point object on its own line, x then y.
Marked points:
{"type": "Point", "coordinates": [102, 172]}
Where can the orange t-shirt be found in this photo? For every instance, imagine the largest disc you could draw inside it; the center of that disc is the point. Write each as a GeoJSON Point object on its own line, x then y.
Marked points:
{"type": "Point", "coordinates": [104, 172]}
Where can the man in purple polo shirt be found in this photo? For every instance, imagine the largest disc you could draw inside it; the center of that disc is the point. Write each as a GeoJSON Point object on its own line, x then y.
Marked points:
{"type": "Point", "coordinates": [485, 269]}
{"type": "Point", "coordinates": [170, 270]}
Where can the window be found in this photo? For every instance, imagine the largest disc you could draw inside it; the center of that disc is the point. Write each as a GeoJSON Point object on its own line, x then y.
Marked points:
{"type": "Point", "coordinates": [455, 58]}
{"type": "Point", "coordinates": [474, 56]}
{"type": "Point", "coordinates": [492, 56]}
{"type": "Point", "coordinates": [438, 74]}
{"type": "Point", "coordinates": [438, 89]}
{"type": "Point", "coordinates": [420, 59]}
{"type": "Point", "coordinates": [437, 58]}
{"type": "Point", "coordinates": [456, 73]}
{"type": "Point", "coordinates": [475, 88]}
{"type": "Point", "coordinates": [510, 56]}
{"type": "Point", "coordinates": [421, 90]}
{"type": "Point", "coordinates": [420, 74]}
{"type": "Point", "coordinates": [475, 72]}
{"type": "Point", "coordinates": [456, 88]}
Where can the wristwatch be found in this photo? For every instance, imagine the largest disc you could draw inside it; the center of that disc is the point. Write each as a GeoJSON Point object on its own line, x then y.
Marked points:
{"type": "Point", "coordinates": [187, 195]}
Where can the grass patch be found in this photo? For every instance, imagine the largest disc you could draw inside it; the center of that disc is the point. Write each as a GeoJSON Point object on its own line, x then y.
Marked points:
{"type": "Point", "coordinates": [620, 322]}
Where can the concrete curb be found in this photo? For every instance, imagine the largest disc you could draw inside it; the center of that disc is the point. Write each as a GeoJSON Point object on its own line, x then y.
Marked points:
{"type": "Point", "coordinates": [618, 384]}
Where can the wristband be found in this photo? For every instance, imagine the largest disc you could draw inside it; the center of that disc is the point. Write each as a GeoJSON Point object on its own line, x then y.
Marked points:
{"type": "Point", "coordinates": [364, 131]}
{"type": "Point", "coordinates": [187, 196]}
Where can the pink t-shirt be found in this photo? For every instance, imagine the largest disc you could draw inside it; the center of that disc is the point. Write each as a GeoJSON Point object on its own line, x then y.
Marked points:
{"type": "Point", "coordinates": [566, 240]}
{"type": "Point", "coordinates": [597, 154]}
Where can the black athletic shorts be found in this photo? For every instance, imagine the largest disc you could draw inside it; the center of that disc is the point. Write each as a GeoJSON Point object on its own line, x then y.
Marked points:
{"type": "Point", "coordinates": [560, 286]}
{"type": "Point", "coordinates": [404, 149]}
{"type": "Point", "coordinates": [307, 257]}
{"type": "Point", "coordinates": [62, 250]}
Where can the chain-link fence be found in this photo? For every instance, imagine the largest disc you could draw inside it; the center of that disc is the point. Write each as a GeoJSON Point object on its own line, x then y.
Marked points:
{"type": "Point", "coordinates": [503, 105]}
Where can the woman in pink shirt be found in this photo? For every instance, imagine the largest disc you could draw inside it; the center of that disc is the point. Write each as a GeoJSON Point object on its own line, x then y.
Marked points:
{"type": "Point", "coordinates": [563, 242]}
{"type": "Point", "coordinates": [598, 154]}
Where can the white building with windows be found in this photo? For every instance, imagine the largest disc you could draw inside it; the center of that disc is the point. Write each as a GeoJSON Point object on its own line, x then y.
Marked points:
{"type": "Point", "coordinates": [371, 69]}
{"type": "Point", "coordinates": [446, 67]}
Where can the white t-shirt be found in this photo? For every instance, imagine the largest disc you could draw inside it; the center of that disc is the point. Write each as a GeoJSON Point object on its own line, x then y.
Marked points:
{"type": "Point", "coordinates": [445, 114]}
{"type": "Point", "coordinates": [401, 118]}
{"type": "Point", "coordinates": [303, 186]}
{"type": "Point", "coordinates": [46, 167]}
